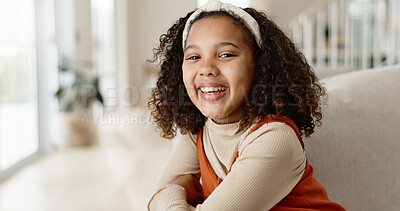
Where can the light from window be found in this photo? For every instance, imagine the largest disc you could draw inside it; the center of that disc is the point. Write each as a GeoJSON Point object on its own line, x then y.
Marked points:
{"type": "Point", "coordinates": [18, 89]}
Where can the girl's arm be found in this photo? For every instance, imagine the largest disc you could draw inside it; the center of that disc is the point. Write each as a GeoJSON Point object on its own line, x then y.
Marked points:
{"type": "Point", "coordinates": [191, 183]}
{"type": "Point", "coordinates": [182, 168]}
{"type": "Point", "coordinates": [271, 162]}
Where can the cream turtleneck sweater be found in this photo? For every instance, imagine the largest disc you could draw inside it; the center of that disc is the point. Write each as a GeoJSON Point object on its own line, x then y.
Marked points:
{"type": "Point", "coordinates": [271, 162]}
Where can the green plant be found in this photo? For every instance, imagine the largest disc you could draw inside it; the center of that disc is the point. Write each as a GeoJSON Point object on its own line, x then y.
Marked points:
{"type": "Point", "coordinates": [76, 92]}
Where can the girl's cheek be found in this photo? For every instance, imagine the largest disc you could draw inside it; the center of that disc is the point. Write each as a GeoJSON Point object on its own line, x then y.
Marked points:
{"type": "Point", "coordinates": [188, 78]}
{"type": "Point", "coordinates": [188, 86]}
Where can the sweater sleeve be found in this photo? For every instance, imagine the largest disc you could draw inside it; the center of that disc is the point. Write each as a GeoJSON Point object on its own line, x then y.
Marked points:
{"type": "Point", "coordinates": [183, 160]}
{"type": "Point", "coordinates": [270, 163]}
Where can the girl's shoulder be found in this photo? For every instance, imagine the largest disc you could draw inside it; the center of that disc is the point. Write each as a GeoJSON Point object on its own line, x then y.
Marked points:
{"type": "Point", "coordinates": [271, 134]}
{"type": "Point", "coordinates": [187, 139]}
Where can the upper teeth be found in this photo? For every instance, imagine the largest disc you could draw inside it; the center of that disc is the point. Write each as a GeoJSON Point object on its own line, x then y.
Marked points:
{"type": "Point", "coordinates": [212, 89]}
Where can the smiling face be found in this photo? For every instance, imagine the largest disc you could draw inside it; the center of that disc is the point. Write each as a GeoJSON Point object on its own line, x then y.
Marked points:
{"type": "Point", "coordinates": [218, 68]}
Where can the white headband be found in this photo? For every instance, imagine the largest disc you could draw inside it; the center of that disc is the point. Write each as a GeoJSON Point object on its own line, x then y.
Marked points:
{"type": "Point", "coordinates": [215, 5]}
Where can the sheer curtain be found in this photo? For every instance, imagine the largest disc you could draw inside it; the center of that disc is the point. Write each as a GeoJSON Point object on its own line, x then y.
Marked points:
{"type": "Point", "coordinates": [19, 136]}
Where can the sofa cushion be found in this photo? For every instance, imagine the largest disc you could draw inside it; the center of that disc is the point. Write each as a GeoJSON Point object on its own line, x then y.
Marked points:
{"type": "Point", "coordinates": [356, 151]}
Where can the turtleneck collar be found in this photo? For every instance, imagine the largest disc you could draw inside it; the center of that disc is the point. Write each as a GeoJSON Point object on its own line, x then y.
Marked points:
{"type": "Point", "coordinates": [229, 129]}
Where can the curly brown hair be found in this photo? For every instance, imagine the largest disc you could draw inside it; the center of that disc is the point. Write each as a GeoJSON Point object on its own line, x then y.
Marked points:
{"type": "Point", "coordinates": [284, 83]}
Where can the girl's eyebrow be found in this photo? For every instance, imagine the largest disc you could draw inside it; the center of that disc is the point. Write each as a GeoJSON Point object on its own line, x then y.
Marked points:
{"type": "Point", "coordinates": [191, 46]}
{"type": "Point", "coordinates": [222, 44]}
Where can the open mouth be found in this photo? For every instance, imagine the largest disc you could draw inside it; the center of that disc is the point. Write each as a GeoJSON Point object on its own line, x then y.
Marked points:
{"type": "Point", "coordinates": [213, 90]}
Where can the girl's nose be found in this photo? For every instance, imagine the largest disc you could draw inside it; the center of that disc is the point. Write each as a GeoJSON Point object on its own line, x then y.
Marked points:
{"type": "Point", "coordinates": [208, 68]}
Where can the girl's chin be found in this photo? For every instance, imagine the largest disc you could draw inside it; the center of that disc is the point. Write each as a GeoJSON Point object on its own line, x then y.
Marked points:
{"type": "Point", "coordinates": [221, 116]}
{"type": "Point", "coordinates": [213, 116]}
{"type": "Point", "coordinates": [221, 119]}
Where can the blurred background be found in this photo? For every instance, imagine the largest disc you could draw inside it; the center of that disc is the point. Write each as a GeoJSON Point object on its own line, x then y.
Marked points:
{"type": "Point", "coordinates": [74, 84]}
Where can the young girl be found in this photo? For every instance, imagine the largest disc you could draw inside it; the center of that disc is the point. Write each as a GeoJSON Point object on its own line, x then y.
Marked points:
{"type": "Point", "coordinates": [242, 95]}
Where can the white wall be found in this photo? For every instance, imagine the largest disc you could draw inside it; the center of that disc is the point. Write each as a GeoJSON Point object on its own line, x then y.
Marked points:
{"type": "Point", "coordinates": [83, 36]}
{"type": "Point", "coordinates": [147, 20]}
{"type": "Point", "coordinates": [74, 32]}
{"type": "Point", "coordinates": [282, 11]}
{"type": "Point", "coordinates": [65, 27]}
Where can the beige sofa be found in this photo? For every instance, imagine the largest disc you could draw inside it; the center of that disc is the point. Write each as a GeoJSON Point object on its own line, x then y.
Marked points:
{"type": "Point", "coordinates": [356, 152]}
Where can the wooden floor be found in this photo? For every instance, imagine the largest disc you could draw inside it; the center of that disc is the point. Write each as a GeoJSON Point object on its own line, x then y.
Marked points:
{"type": "Point", "coordinates": [119, 173]}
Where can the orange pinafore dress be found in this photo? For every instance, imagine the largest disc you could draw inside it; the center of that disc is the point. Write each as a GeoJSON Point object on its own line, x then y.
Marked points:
{"type": "Point", "coordinates": [307, 195]}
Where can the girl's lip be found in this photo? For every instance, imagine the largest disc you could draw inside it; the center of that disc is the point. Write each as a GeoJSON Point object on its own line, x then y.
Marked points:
{"type": "Point", "coordinates": [209, 84]}
{"type": "Point", "coordinates": [213, 96]}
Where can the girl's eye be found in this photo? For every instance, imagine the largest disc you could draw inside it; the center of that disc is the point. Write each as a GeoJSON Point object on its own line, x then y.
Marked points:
{"type": "Point", "coordinates": [226, 55]}
{"type": "Point", "coordinates": [192, 58]}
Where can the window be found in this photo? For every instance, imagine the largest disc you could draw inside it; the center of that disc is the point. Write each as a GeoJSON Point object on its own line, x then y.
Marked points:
{"type": "Point", "coordinates": [19, 131]}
